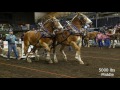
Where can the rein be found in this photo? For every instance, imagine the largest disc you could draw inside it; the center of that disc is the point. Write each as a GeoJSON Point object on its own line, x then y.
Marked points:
{"type": "Point", "coordinates": [54, 45]}
{"type": "Point", "coordinates": [76, 34]}
{"type": "Point", "coordinates": [46, 30]}
{"type": "Point", "coordinates": [73, 27]}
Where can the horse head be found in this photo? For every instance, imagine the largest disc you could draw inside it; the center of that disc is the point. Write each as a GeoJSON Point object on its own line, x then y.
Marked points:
{"type": "Point", "coordinates": [81, 20]}
{"type": "Point", "coordinates": [57, 23]}
{"type": "Point", "coordinates": [53, 23]}
{"type": "Point", "coordinates": [112, 31]}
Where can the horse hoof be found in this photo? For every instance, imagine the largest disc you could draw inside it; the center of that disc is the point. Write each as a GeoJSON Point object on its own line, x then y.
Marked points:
{"type": "Point", "coordinates": [50, 62]}
{"type": "Point", "coordinates": [81, 62]}
{"type": "Point", "coordinates": [76, 58]}
{"type": "Point", "coordinates": [29, 61]}
{"type": "Point", "coordinates": [55, 61]}
{"type": "Point", "coordinates": [65, 59]}
{"type": "Point", "coordinates": [37, 58]}
{"type": "Point", "coordinates": [87, 64]}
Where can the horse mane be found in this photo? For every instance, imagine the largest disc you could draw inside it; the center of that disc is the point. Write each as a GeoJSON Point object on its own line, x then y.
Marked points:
{"type": "Point", "coordinates": [46, 21]}
{"type": "Point", "coordinates": [74, 18]}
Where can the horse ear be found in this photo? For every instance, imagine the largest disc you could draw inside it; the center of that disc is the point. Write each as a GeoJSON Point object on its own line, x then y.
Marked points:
{"type": "Point", "coordinates": [53, 17]}
{"type": "Point", "coordinates": [78, 14]}
{"type": "Point", "coordinates": [81, 14]}
{"type": "Point", "coordinates": [49, 16]}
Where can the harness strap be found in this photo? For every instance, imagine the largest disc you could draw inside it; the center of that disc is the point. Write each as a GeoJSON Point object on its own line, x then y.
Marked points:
{"type": "Point", "coordinates": [73, 27]}
{"type": "Point", "coordinates": [46, 30]}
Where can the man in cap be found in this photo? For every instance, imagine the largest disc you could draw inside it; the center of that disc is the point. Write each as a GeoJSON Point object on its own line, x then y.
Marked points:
{"type": "Point", "coordinates": [11, 44]}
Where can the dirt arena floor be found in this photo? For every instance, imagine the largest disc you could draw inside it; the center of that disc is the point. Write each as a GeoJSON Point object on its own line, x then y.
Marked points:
{"type": "Point", "coordinates": [98, 64]}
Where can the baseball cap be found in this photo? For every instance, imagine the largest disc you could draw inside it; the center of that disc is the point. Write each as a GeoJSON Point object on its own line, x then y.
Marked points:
{"type": "Point", "coordinates": [10, 30]}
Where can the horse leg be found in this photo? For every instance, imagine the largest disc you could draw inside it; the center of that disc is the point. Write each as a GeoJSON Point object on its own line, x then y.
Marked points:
{"type": "Point", "coordinates": [118, 40]}
{"type": "Point", "coordinates": [54, 50]}
{"type": "Point", "coordinates": [88, 44]}
{"type": "Point", "coordinates": [62, 51]}
{"type": "Point", "coordinates": [55, 56]}
{"type": "Point", "coordinates": [82, 41]}
{"type": "Point", "coordinates": [113, 43]}
{"type": "Point", "coordinates": [37, 57]}
{"type": "Point", "coordinates": [28, 59]}
{"type": "Point", "coordinates": [26, 46]}
{"type": "Point", "coordinates": [85, 41]}
{"type": "Point", "coordinates": [95, 42]}
{"type": "Point", "coordinates": [46, 46]}
{"type": "Point", "coordinates": [28, 54]}
{"type": "Point", "coordinates": [49, 58]}
{"type": "Point", "coordinates": [77, 48]}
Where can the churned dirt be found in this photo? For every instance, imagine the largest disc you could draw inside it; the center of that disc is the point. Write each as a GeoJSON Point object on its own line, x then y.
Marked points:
{"type": "Point", "coordinates": [96, 61]}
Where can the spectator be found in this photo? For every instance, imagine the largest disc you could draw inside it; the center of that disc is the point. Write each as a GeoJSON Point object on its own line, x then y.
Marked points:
{"type": "Point", "coordinates": [1, 43]}
{"type": "Point", "coordinates": [11, 45]}
{"type": "Point", "coordinates": [34, 29]}
{"type": "Point", "coordinates": [107, 39]}
{"type": "Point", "coordinates": [0, 36]}
{"type": "Point", "coordinates": [99, 39]}
{"type": "Point", "coordinates": [22, 37]}
{"type": "Point", "coordinates": [70, 48]}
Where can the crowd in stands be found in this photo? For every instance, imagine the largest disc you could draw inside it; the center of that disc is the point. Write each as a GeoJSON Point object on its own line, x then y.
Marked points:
{"type": "Point", "coordinates": [7, 27]}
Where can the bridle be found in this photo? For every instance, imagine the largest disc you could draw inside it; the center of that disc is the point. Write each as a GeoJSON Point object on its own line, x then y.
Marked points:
{"type": "Point", "coordinates": [53, 23]}
{"type": "Point", "coordinates": [81, 20]}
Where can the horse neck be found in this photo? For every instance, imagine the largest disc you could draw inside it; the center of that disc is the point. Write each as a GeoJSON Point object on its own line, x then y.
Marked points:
{"type": "Point", "coordinates": [49, 27]}
{"type": "Point", "coordinates": [77, 24]}
{"type": "Point", "coordinates": [118, 30]}
{"type": "Point", "coordinates": [85, 31]}
{"type": "Point", "coordinates": [114, 31]}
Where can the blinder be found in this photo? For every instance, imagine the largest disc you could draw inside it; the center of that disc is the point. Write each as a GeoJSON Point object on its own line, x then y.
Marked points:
{"type": "Point", "coordinates": [53, 26]}
{"type": "Point", "coordinates": [82, 20]}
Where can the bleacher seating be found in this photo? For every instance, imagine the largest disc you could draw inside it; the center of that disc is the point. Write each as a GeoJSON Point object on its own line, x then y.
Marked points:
{"type": "Point", "coordinates": [112, 21]}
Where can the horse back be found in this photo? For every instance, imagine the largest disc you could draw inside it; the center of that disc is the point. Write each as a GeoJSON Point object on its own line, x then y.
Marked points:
{"type": "Point", "coordinates": [118, 31]}
{"type": "Point", "coordinates": [66, 37]}
{"type": "Point", "coordinates": [33, 37]}
{"type": "Point", "coordinates": [91, 35]}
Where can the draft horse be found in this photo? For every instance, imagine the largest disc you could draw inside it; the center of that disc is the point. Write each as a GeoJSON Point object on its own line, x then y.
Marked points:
{"type": "Point", "coordinates": [66, 38]}
{"type": "Point", "coordinates": [115, 35]}
{"type": "Point", "coordinates": [89, 36]}
{"type": "Point", "coordinates": [39, 40]}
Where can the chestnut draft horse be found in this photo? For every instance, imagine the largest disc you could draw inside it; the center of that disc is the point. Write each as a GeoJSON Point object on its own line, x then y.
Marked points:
{"type": "Point", "coordinates": [89, 36]}
{"type": "Point", "coordinates": [39, 40]}
{"type": "Point", "coordinates": [115, 35]}
{"type": "Point", "coordinates": [68, 38]}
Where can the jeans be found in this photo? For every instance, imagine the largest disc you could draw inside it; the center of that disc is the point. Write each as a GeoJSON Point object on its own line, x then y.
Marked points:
{"type": "Point", "coordinates": [100, 44]}
{"type": "Point", "coordinates": [10, 48]}
{"type": "Point", "coordinates": [107, 42]}
{"type": "Point", "coordinates": [70, 48]}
